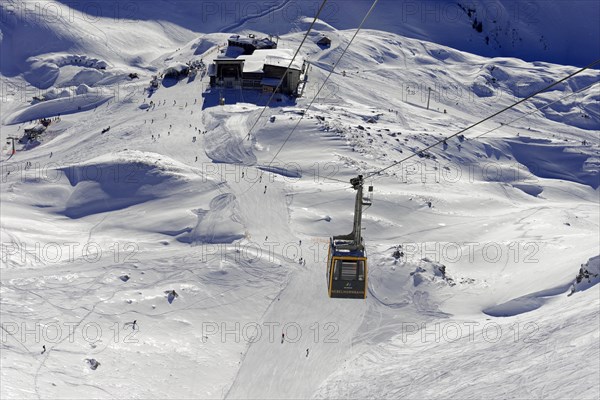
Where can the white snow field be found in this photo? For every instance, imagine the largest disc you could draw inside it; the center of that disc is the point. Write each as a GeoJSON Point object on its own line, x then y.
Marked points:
{"type": "Point", "coordinates": [154, 207]}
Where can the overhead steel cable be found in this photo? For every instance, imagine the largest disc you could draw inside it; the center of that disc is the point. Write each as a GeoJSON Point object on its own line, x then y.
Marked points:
{"type": "Point", "coordinates": [538, 109]}
{"type": "Point", "coordinates": [287, 69]}
{"type": "Point", "coordinates": [325, 81]}
{"type": "Point", "coordinates": [500, 126]}
{"type": "Point", "coordinates": [319, 91]}
{"type": "Point", "coordinates": [485, 119]}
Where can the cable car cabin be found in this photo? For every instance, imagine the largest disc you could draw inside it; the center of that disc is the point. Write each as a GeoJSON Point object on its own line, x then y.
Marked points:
{"type": "Point", "coordinates": [346, 271]}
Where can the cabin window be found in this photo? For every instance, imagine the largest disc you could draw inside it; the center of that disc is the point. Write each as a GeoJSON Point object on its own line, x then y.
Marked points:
{"type": "Point", "coordinates": [336, 270]}
{"type": "Point", "coordinates": [361, 270]}
{"type": "Point", "coordinates": [349, 270]}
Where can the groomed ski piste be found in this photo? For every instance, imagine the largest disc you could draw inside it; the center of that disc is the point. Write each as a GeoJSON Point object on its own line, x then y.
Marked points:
{"type": "Point", "coordinates": [483, 252]}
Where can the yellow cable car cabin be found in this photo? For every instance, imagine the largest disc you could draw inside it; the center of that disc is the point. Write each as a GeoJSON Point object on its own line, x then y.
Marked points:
{"type": "Point", "coordinates": [347, 258]}
{"type": "Point", "coordinates": [346, 271]}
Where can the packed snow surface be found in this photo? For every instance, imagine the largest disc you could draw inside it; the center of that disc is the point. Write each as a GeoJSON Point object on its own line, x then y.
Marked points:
{"type": "Point", "coordinates": [156, 244]}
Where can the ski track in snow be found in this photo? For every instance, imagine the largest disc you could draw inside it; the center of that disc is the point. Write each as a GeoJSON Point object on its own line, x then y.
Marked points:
{"type": "Point", "coordinates": [271, 10]}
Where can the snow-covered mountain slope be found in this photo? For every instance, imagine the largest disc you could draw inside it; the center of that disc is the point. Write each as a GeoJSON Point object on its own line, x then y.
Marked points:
{"type": "Point", "coordinates": [495, 293]}
{"type": "Point", "coordinates": [527, 30]}
{"type": "Point", "coordinates": [505, 28]}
